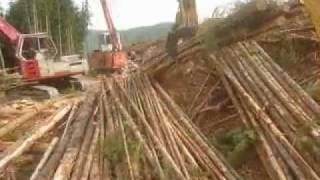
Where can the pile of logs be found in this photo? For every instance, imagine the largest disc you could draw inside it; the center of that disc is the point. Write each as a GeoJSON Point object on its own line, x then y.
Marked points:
{"type": "Point", "coordinates": [63, 150]}
{"type": "Point", "coordinates": [159, 140]}
{"type": "Point", "coordinates": [270, 24]}
{"type": "Point", "coordinates": [270, 102]}
{"type": "Point", "coordinates": [162, 61]}
{"type": "Point", "coordinates": [8, 81]}
{"type": "Point", "coordinates": [72, 156]}
{"type": "Point", "coordinates": [23, 144]}
{"type": "Point", "coordinates": [128, 128]}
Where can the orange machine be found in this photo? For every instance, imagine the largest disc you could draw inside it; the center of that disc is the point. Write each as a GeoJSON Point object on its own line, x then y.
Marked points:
{"type": "Point", "coordinates": [110, 57]}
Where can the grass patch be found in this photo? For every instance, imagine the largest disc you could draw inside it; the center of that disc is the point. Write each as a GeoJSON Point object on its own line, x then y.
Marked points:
{"type": "Point", "coordinates": [114, 150]}
{"type": "Point", "coordinates": [71, 91]}
{"type": "Point", "coordinates": [236, 144]}
{"type": "Point", "coordinates": [306, 143]}
{"type": "Point", "coordinates": [313, 90]}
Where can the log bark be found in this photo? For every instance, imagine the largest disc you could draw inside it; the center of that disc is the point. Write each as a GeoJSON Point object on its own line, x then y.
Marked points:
{"type": "Point", "coordinates": [21, 120]}
{"type": "Point", "coordinates": [54, 160]}
{"type": "Point", "coordinates": [27, 143]}
{"type": "Point", "coordinates": [91, 155]}
{"type": "Point", "coordinates": [221, 163]}
{"type": "Point", "coordinates": [245, 74]}
{"type": "Point", "coordinates": [45, 158]}
{"type": "Point", "coordinates": [83, 117]}
{"type": "Point", "coordinates": [84, 151]}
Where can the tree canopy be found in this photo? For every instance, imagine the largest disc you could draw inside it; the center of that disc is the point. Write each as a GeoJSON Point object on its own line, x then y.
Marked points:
{"type": "Point", "coordinates": [62, 19]}
{"type": "Point", "coordinates": [1, 10]}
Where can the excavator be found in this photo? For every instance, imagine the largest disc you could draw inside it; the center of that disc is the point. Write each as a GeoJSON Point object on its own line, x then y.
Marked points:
{"type": "Point", "coordinates": [111, 57]}
{"type": "Point", "coordinates": [34, 57]}
{"type": "Point", "coordinates": [186, 25]}
{"type": "Point", "coordinates": [187, 21]}
{"type": "Point", "coordinates": [312, 7]}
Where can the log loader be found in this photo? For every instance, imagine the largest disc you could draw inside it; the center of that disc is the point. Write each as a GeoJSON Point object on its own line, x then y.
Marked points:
{"type": "Point", "coordinates": [186, 25]}
{"type": "Point", "coordinates": [34, 57]}
{"type": "Point", "coordinates": [111, 57]}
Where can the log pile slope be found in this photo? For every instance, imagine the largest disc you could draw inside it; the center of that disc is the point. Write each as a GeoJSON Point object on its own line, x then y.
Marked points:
{"type": "Point", "coordinates": [277, 108]}
{"type": "Point", "coordinates": [170, 145]}
{"type": "Point", "coordinates": [129, 128]}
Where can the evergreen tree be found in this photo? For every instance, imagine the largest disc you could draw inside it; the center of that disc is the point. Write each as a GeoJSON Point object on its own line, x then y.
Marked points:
{"type": "Point", "coordinates": [62, 19]}
{"type": "Point", "coordinates": [1, 10]}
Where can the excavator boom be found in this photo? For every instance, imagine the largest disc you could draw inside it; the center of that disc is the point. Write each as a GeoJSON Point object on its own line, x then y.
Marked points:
{"type": "Point", "coordinates": [8, 32]}
{"type": "Point", "coordinates": [186, 25]}
{"type": "Point", "coordinates": [110, 24]}
{"type": "Point", "coordinates": [313, 7]}
{"type": "Point", "coordinates": [187, 15]}
{"type": "Point", "coordinates": [111, 59]}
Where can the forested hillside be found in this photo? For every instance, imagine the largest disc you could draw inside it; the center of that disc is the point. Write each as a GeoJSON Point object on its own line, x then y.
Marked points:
{"type": "Point", "coordinates": [130, 36]}
{"type": "Point", "coordinates": [63, 20]}
{"type": "Point", "coordinates": [146, 33]}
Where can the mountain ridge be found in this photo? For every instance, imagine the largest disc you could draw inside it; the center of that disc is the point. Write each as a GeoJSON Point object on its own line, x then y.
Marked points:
{"type": "Point", "coordinates": [131, 36]}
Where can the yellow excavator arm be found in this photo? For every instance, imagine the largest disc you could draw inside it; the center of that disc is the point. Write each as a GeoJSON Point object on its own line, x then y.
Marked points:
{"type": "Point", "coordinates": [186, 25]}
{"type": "Point", "coordinates": [313, 8]}
{"type": "Point", "coordinates": [187, 14]}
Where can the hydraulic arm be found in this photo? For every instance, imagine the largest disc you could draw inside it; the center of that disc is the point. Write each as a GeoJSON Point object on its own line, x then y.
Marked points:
{"type": "Point", "coordinates": [109, 59]}
{"type": "Point", "coordinates": [186, 25]}
{"type": "Point", "coordinates": [8, 32]}
{"type": "Point", "coordinates": [112, 30]}
{"type": "Point", "coordinates": [313, 7]}
{"type": "Point", "coordinates": [187, 16]}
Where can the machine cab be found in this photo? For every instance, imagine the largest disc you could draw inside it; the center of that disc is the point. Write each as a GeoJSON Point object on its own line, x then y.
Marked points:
{"type": "Point", "coordinates": [105, 41]}
{"type": "Point", "coordinates": [29, 46]}
{"type": "Point", "coordinates": [38, 58]}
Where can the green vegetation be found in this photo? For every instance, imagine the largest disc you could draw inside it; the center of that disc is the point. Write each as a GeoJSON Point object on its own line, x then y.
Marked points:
{"type": "Point", "coordinates": [307, 143]}
{"type": "Point", "coordinates": [114, 150]}
{"type": "Point", "coordinates": [146, 33]}
{"type": "Point", "coordinates": [235, 144]}
{"type": "Point", "coordinates": [1, 10]}
{"type": "Point", "coordinates": [113, 147]}
{"type": "Point", "coordinates": [62, 19]}
{"type": "Point", "coordinates": [313, 89]}
{"type": "Point", "coordinates": [289, 53]}
{"type": "Point", "coordinates": [242, 20]}
{"type": "Point", "coordinates": [72, 91]}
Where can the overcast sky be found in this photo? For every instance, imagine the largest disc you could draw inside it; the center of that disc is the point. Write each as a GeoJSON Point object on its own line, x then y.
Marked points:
{"type": "Point", "coordinates": [134, 13]}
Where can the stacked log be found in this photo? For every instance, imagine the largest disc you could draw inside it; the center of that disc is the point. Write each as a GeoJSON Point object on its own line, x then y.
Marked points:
{"type": "Point", "coordinates": [142, 113]}
{"type": "Point", "coordinates": [270, 102]}
{"type": "Point", "coordinates": [130, 128]}
{"type": "Point", "coordinates": [25, 143]}
{"type": "Point", "coordinates": [162, 61]}
{"type": "Point", "coordinates": [70, 150]}
{"type": "Point", "coordinates": [74, 148]}
{"type": "Point", "coordinates": [8, 81]}
{"type": "Point", "coordinates": [269, 25]}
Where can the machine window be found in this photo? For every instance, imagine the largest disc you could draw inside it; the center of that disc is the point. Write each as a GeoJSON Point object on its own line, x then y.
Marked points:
{"type": "Point", "coordinates": [29, 48]}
